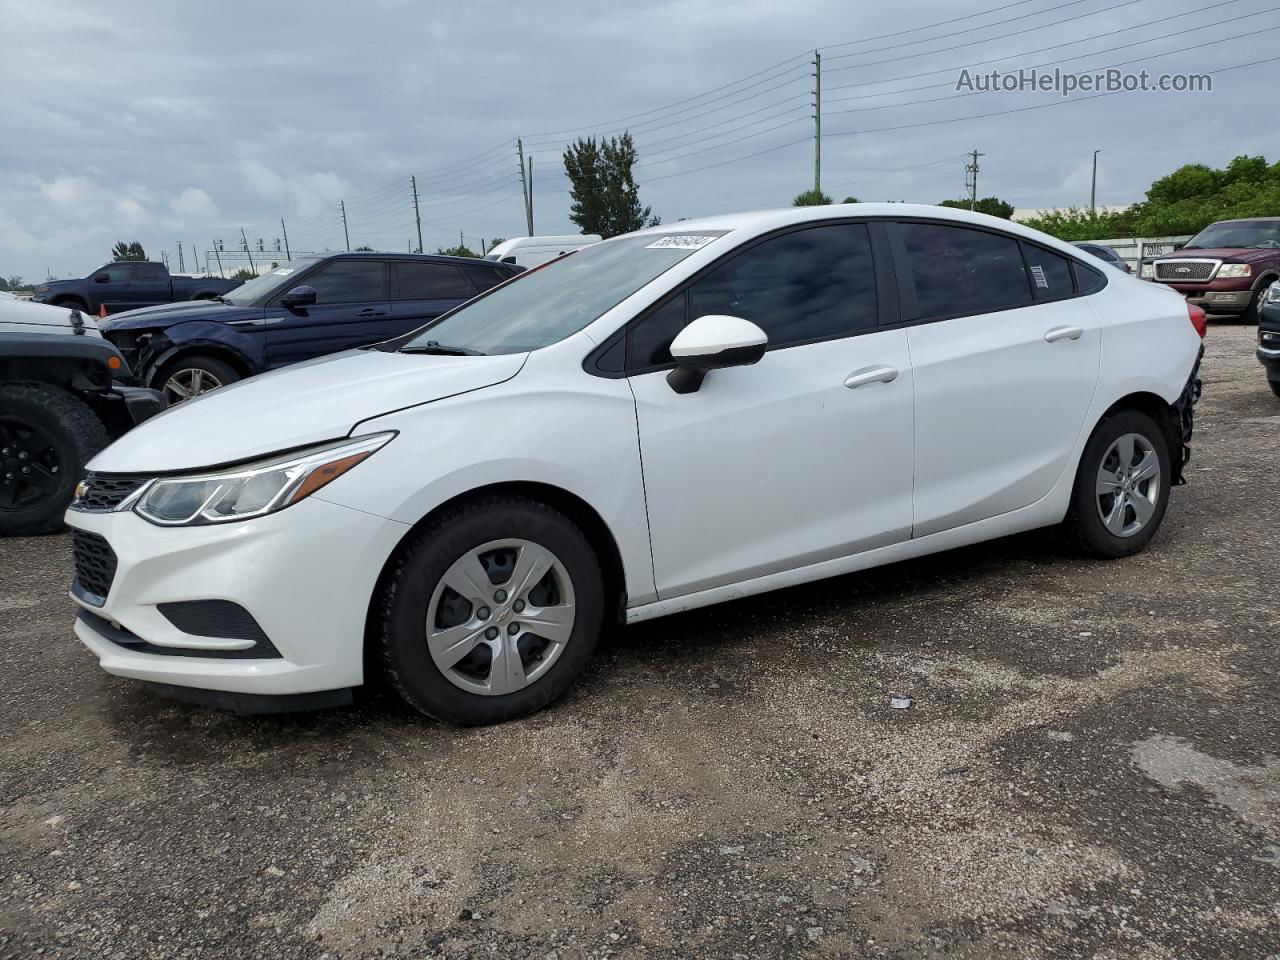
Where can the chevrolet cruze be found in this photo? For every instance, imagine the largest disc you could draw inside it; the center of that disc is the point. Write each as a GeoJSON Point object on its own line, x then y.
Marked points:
{"type": "Point", "coordinates": [658, 422]}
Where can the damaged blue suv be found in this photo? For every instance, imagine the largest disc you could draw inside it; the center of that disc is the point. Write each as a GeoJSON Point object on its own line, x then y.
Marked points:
{"type": "Point", "coordinates": [306, 308]}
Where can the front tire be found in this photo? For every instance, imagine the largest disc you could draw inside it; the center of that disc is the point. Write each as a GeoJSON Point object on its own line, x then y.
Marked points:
{"type": "Point", "coordinates": [46, 438]}
{"type": "Point", "coordinates": [1275, 387]}
{"type": "Point", "coordinates": [491, 612]}
{"type": "Point", "coordinates": [1122, 486]}
{"type": "Point", "coordinates": [189, 377]}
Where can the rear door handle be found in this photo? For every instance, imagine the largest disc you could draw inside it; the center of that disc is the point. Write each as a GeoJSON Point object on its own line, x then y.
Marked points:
{"type": "Point", "coordinates": [860, 378]}
{"type": "Point", "coordinates": [1064, 333]}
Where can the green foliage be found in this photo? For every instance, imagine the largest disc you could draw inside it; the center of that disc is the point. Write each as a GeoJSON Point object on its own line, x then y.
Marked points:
{"type": "Point", "coordinates": [850, 200]}
{"type": "Point", "coordinates": [244, 273]}
{"type": "Point", "coordinates": [992, 206]}
{"type": "Point", "coordinates": [461, 250]}
{"type": "Point", "coordinates": [495, 241]}
{"type": "Point", "coordinates": [364, 249]}
{"type": "Point", "coordinates": [4, 285]}
{"type": "Point", "coordinates": [603, 193]}
{"type": "Point", "coordinates": [13, 284]}
{"type": "Point", "coordinates": [128, 251]}
{"type": "Point", "coordinates": [811, 198]}
{"type": "Point", "coordinates": [1185, 201]}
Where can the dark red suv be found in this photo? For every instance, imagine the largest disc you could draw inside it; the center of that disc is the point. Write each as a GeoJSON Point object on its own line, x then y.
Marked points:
{"type": "Point", "coordinates": [1226, 268]}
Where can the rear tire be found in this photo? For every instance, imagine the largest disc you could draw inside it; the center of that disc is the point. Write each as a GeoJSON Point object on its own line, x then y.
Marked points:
{"type": "Point", "coordinates": [46, 437]}
{"type": "Point", "coordinates": [465, 656]}
{"type": "Point", "coordinates": [192, 376]}
{"type": "Point", "coordinates": [1275, 387]}
{"type": "Point", "coordinates": [1117, 506]}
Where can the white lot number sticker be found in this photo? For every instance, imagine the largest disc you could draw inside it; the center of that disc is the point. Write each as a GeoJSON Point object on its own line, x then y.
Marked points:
{"type": "Point", "coordinates": [685, 242]}
{"type": "Point", "coordinates": [284, 271]}
{"type": "Point", "coordinates": [1037, 273]}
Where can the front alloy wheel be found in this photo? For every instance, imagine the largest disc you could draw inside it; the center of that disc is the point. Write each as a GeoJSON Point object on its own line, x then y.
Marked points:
{"type": "Point", "coordinates": [500, 617]}
{"type": "Point", "coordinates": [189, 382]}
{"type": "Point", "coordinates": [490, 611]}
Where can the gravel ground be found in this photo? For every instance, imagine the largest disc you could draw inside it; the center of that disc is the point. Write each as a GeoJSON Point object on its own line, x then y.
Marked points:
{"type": "Point", "coordinates": [1091, 768]}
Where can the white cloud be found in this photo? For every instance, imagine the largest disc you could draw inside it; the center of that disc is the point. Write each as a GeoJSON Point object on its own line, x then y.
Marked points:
{"type": "Point", "coordinates": [193, 204]}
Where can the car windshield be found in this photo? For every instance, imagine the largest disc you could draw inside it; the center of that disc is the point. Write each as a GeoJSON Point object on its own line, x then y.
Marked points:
{"type": "Point", "coordinates": [1236, 236]}
{"type": "Point", "coordinates": [547, 304]}
{"type": "Point", "coordinates": [264, 286]}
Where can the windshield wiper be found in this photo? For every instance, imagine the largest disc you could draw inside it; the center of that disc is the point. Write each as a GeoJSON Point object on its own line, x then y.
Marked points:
{"type": "Point", "coordinates": [435, 348]}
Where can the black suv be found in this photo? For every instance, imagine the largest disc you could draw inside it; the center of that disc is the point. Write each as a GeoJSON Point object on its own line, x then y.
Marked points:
{"type": "Point", "coordinates": [306, 308]}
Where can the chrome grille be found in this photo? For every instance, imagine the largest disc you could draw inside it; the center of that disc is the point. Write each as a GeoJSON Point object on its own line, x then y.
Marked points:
{"type": "Point", "coordinates": [1186, 271]}
{"type": "Point", "coordinates": [102, 493]}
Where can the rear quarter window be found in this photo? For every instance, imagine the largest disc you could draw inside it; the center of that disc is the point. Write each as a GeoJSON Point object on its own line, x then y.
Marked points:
{"type": "Point", "coordinates": [1088, 280]}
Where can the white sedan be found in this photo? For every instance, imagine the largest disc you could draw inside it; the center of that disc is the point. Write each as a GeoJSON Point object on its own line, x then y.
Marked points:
{"type": "Point", "coordinates": [658, 422]}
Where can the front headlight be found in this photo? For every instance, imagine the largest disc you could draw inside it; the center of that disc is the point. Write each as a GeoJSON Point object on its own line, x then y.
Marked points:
{"type": "Point", "coordinates": [249, 491]}
{"type": "Point", "coordinates": [1234, 270]}
{"type": "Point", "coordinates": [1273, 293]}
{"type": "Point", "coordinates": [1148, 271]}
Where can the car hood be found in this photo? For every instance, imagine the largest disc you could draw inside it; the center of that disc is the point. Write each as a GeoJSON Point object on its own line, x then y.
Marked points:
{"type": "Point", "coordinates": [1231, 254]}
{"type": "Point", "coordinates": [167, 314]}
{"type": "Point", "coordinates": [24, 315]}
{"type": "Point", "coordinates": [312, 402]}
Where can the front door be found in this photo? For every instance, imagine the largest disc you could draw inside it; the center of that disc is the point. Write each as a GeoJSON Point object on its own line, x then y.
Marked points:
{"type": "Point", "coordinates": [803, 457]}
{"type": "Point", "coordinates": [352, 309]}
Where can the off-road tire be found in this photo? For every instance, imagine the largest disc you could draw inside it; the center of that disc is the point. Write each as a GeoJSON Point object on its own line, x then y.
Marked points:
{"type": "Point", "coordinates": [407, 590]}
{"type": "Point", "coordinates": [75, 433]}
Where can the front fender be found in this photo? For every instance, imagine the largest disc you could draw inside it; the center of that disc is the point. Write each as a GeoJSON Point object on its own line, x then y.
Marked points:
{"type": "Point", "coordinates": [246, 349]}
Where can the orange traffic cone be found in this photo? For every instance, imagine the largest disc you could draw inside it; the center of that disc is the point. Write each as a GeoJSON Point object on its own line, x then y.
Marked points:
{"type": "Point", "coordinates": [102, 310]}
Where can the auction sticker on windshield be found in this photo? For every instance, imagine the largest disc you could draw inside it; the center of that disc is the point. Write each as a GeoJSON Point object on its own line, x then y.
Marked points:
{"type": "Point", "coordinates": [680, 242]}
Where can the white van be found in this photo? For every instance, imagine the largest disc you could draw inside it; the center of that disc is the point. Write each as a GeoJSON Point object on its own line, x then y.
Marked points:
{"type": "Point", "coordinates": [534, 251]}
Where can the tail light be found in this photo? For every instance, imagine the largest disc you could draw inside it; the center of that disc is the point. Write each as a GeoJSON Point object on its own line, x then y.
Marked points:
{"type": "Point", "coordinates": [1198, 319]}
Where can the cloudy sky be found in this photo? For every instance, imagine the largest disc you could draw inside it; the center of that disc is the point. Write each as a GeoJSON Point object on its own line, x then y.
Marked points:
{"type": "Point", "coordinates": [185, 122]}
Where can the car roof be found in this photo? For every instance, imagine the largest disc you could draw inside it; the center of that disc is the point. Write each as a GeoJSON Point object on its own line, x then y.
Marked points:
{"type": "Point", "coordinates": [1248, 220]}
{"type": "Point", "coordinates": [761, 221]}
{"type": "Point", "coordinates": [407, 257]}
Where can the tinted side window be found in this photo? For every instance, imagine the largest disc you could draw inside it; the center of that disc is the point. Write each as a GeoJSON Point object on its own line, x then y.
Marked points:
{"type": "Point", "coordinates": [350, 281]}
{"type": "Point", "coordinates": [118, 272]}
{"type": "Point", "coordinates": [485, 277]}
{"type": "Point", "coordinates": [807, 285]}
{"type": "Point", "coordinates": [149, 272]}
{"type": "Point", "coordinates": [1088, 280]}
{"type": "Point", "coordinates": [1050, 273]}
{"type": "Point", "coordinates": [649, 341]}
{"type": "Point", "coordinates": [959, 271]}
{"type": "Point", "coordinates": [432, 281]}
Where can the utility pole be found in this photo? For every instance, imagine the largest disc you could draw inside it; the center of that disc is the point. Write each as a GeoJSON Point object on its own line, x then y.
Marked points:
{"type": "Point", "coordinates": [524, 186]}
{"type": "Point", "coordinates": [182, 264]}
{"type": "Point", "coordinates": [1093, 190]}
{"type": "Point", "coordinates": [245, 240]}
{"type": "Point", "coordinates": [531, 196]}
{"type": "Point", "coordinates": [218, 254]}
{"type": "Point", "coordinates": [342, 205]}
{"type": "Point", "coordinates": [971, 177]}
{"type": "Point", "coordinates": [287, 254]}
{"type": "Point", "coordinates": [817, 122]}
{"type": "Point", "coordinates": [416, 215]}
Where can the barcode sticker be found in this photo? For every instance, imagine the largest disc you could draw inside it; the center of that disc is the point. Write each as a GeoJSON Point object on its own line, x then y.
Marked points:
{"type": "Point", "coordinates": [1037, 273]}
{"type": "Point", "coordinates": [684, 242]}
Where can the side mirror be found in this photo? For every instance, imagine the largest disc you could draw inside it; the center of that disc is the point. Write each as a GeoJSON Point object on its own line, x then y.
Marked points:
{"type": "Point", "coordinates": [101, 278]}
{"type": "Point", "coordinates": [302, 296]}
{"type": "Point", "coordinates": [712, 342]}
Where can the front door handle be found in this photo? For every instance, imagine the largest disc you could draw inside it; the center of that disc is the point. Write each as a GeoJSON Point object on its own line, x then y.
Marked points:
{"type": "Point", "coordinates": [1064, 333]}
{"type": "Point", "coordinates": [860, 378]}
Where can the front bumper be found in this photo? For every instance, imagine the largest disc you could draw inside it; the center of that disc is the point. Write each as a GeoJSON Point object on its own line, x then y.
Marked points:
{"type": "Point", "coordinates": [305, 575]}
{"type": "Point", "coordinates": [1269, 352]}
{"type": "Point", "coordinates": [1228, 296]}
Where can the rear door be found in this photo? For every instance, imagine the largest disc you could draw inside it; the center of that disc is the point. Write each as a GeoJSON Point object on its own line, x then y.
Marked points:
{"type": "Point", "coordinates": [151, 284]}
{"type": "Point", "coordinates": [1005, 355]}
{"type": "Point", "coordinates": [423, 291]}
{"type": "Point", "coordinates": [352, 308]}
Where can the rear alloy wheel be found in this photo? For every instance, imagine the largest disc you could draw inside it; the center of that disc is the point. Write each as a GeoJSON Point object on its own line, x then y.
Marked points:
{"type": "Point", "coordinates": [189, 377]}
{"type": "Point", "coordinates": [492, 613]}
{"type": "Point", "coordinates": [1275, 387]}
{"type": "Point", "coordinates": [46, 438]}
{"type": "Point", "coordinates": [1122, 486]}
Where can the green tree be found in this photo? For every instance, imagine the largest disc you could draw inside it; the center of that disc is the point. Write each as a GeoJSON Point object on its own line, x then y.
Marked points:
{"type": "Point", "coordinates": [495, 241]}
{"type": "Point", "coordinates": [603, 195]}
{"type": "Point", "coordinates": [128, 251]}
{"type": "Point", "coordinates": [4, 285]}
{"type": "Point", "coordinates": [992, 206]}
{"type": "Point", "coordinates": [1077, 223]}
{"type": "Point", "coordinates": [811, 198]}
{"type": "Point", "coordinates": [244, 273]}
{"type": "Point", "coordinates": [461, 250]}
{"type": "Point", "coordinates": [364, 249]}
{"type": "Point", "coordinates": [14, 283]}
{"type": "Point", "coordinates": [850, 200]}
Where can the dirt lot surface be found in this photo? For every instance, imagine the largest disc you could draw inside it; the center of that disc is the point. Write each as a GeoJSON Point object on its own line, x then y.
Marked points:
{"type": "Point", "coordinates": [1091, 768]}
